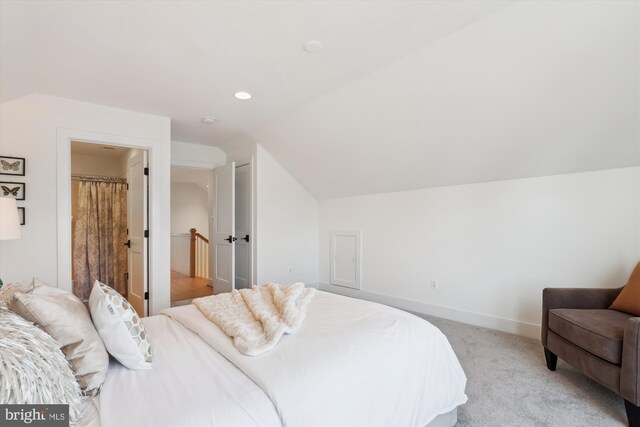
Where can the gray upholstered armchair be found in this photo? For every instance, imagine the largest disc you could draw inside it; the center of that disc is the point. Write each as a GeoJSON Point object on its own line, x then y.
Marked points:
{"type": "Point", "coordinates": [603, 344]}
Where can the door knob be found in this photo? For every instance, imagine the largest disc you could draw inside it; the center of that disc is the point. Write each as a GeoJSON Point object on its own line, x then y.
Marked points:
{"type": "Point", "coordinates": [128, 244]}
{"type": "Point", "coordinates": [245, 238]}
{"type": "Point", "coordinates": [231, 239]}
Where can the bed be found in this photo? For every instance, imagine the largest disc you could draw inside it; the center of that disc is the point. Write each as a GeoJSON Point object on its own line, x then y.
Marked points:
{"type": "Point", "coordinates": [352, 363]}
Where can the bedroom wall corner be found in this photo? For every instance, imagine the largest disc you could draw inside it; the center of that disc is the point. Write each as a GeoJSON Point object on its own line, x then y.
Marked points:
{"type": "Point", "coordinates": [287, 225]}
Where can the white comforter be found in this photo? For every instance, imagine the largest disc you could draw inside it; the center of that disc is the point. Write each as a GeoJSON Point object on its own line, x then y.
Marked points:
{"type": "Point", "coordinates": [190, 384]}
{"type": "Point", "coordinates": [352, 363]}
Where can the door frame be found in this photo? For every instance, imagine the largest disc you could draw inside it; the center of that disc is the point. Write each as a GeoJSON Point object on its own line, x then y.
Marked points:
{"type": "Point", "coordinates": [157, 276]}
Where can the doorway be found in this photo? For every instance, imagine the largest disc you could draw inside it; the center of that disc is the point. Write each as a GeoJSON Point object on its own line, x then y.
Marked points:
{"type": "Point", "coordinates": [109, 217]}
{"type": "Point", "coordinates": [190, 224]}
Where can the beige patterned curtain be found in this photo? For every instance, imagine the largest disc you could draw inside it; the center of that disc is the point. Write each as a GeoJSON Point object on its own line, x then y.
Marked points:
{"type": "Point", "coordinates": [100, 233]}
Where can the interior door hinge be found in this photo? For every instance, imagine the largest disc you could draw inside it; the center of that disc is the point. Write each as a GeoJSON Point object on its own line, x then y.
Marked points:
{"type": "Point", "coordinates": [146, 295]}
{"type": "Point", "coordinates": [146, 233]}
{"type": "Point", "coordinates": [146, 171]}
{"type": "Point", "coordinates": [127, 186]}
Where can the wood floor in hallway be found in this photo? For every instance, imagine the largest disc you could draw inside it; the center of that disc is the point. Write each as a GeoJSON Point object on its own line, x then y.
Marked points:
{"type": "Point", "coordinates": [185, 288]}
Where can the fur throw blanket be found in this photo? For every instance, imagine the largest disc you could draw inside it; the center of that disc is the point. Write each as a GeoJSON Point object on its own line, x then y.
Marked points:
{"type": "Point", "coordinates": [257, 318]}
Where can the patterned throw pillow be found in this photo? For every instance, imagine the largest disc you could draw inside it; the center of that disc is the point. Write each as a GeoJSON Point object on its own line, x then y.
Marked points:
{"type": "Point", "coordinates": [119, 327]}
{"type": "Point", "coordinates": [32, 367]}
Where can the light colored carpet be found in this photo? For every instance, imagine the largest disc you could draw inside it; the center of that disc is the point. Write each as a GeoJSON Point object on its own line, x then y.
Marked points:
{"type": "Point", "coordinates": [509, 384]}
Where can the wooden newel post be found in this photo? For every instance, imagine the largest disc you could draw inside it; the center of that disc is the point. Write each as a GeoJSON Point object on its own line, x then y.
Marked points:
{"type": "Point", "coordinates": [192, 259]}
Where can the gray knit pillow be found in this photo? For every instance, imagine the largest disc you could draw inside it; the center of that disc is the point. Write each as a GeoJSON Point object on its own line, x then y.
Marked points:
{"type": "Point", "coordinates": [33, 370]}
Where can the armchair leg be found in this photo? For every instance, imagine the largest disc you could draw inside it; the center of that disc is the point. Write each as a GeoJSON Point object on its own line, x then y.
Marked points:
{"type": "Point", "coordinates": [633, 414]}
{"type": "Point", "coordinates": [552, 360]}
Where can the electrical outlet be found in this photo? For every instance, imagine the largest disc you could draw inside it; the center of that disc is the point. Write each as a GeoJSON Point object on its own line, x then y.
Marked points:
{"type": "Point", "coordinates": [435, 284]}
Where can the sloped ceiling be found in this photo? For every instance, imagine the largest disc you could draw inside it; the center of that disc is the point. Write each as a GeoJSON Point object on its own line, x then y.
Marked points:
{"type": "Point", "coordinates": [186, 59]}
{"type": "Point", "coordinates": [405, 95]}
{"type": "Point", "coordinates": [539, 88]}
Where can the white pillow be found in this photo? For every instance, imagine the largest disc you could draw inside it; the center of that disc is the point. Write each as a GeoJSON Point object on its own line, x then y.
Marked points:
{"type": "Point", "coordinates": [119, 327]}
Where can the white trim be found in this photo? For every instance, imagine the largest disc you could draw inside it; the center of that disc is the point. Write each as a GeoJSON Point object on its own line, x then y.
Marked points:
{"type": "Point", "coordinates": [195, 164]}
{"type": "Point", "coordinates": [157, 274]}
{"type": "Point", "coordinates": [529, 330]}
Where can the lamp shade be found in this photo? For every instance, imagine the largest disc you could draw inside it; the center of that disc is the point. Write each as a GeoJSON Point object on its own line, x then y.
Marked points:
{"type": "Point", "coordinates": [9, 219]}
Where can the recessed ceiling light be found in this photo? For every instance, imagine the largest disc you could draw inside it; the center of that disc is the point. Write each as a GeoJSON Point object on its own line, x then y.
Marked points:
{"type": "Point", "coordinates": [313, 46]}
{"type": "Point", "coordinates": [209, 120]}
{"type": "Point", "coordinates": [242, 95]}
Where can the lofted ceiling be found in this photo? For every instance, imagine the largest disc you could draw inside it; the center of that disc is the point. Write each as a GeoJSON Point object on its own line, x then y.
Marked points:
{"type": "Point", "coordinates": [186, 59]}
{"type": "Point", "coordinates": [406, 94]}
{"type": "Point", "coordinates": [538, 88]}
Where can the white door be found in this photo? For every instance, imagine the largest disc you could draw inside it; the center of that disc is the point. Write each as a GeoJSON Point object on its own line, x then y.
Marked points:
{"type": "Point", "coordinates": [223, 242]}
{"type": "Point", "coordinates": [137, 224]}
{"type": "Point", "coordinates": [243, 227]}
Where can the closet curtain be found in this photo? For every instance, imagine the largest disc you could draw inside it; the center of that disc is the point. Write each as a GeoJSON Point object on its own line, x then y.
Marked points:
{"type": "Point", "coordinates": [100, 233]}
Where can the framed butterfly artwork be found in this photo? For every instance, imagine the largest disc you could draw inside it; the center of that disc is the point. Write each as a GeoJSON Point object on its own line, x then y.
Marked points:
{"type": "Point", "coordinates": [16, 190]}
{"type": "Point", "coordinates": [12, 165]}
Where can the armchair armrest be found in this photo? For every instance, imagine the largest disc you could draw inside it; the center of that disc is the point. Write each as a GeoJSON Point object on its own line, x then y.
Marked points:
{"type": "Point", "coordinates": [630, 372]}
{"type": "Point", "coordinates": [585, 298]}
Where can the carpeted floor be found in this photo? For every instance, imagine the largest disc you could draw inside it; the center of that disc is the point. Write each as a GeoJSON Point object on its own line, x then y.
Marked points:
{"type": "Point", "coordinates": [509, 384]}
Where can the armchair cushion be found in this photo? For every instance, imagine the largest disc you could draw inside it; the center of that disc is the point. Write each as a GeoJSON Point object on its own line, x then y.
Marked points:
{"type": "Point", "coordinates": [586, 298]}
{"type": "Point", "coordinates": [629, 299]}
{"type": "Point", "coordinates": [599, 332]}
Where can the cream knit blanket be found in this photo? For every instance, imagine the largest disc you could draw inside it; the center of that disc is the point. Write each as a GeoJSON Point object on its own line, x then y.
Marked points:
{"type": "Point", "coordinates": [257, 318]}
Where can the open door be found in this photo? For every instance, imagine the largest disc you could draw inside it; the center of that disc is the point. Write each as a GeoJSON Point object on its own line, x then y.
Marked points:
{"type": "Point", "coordinates": [223, 242]}
{"type": "Point", "coordinates": [137, 218]}
{"type": "Point", "coordinates": [243, 227]}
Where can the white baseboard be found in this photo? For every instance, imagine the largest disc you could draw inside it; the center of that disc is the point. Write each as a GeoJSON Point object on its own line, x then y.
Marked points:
{"type": "Point", "coordinates": [516, 327]}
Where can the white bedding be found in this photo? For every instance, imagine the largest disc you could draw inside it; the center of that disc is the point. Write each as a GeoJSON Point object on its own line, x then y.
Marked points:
{"type": "Point", "coordinates": [352, 363]}
{"type": "Point", "coordinates": [190, 384]}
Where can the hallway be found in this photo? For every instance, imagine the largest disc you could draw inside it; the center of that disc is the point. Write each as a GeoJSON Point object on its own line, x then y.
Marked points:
{"type": "Point", "coordinates": [185, 288]}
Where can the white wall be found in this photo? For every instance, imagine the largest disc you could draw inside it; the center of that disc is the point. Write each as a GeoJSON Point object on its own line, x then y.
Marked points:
{"type": "Point", "coordinates": [189, 208]}
{"type": "Point", "coordinates": [30, 128]}
{"type": "Point", "coordinates": [181, 254]}
{"type": "Point", "coordinates": [86, 164]}
{"type": "Point", "coordinates": [196, 156]}
{"type": "Point", "coordinates": [287, 225]}
{"type": "Point", "coordinates": [492, 246]}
